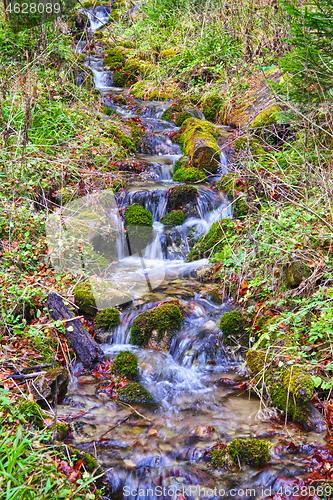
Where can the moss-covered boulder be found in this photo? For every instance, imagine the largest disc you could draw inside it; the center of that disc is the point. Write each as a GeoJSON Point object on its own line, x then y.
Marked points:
{"type": "Point", "coordinates": [290, 389]}
{"type": "Point", "coordinates": [134, 392]}
{"type": "Point", "coordinates": [107, 318]}
{"type": "Point", "coordinates": [189, 175]}
{"type": "Point", "coordinates": [163, 319]}
{"type": "Point", "coordinates": [180, 196]}
{"type": "Point", "coordinates": [135, 215]}
{"type": "Point", "coordinates": [266, 117]}
{"type": "Point", "coordinates": [253, 452]}
{"type": "Point", "coordinates": [296, 272]}
{"type": "Point", "coordinates": [170, 113]}
{"type": "Point", "coordinates": [119, 79]}
{"type": "Point", "coordinates": [235, 328]}
{"type": "Point", "coordinates": [114, 59]}
{"type": "Point", "coordinates": [218, 236]}
{"type": "Point", "coordinates": [32, 413]}
{"type": "Point", "coordinates": [125, 364]}
{"type": "Point", "coordinates": [181, 117]}
{"type": "Point", "coordinates": [84, 299]}
{"type": "Point", "coordinates": [182, 162]}
{"type": "Point", "coordinates": [60, 430]}
{"type": "Point", "coordinates": [211, 105]}
{"type": "Point", "coordinates": [198, 140]}
{"type": "Point", "coordinates": [175, 218]}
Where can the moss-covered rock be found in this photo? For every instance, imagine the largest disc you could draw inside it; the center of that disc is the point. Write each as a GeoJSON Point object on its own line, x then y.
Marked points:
{"type": "Point", "coordinates": [211, 106]}
{"type": "Point", "coordinates": [84, 299]}
{"type": "Point", "coordinates": [175, 218]}
{"type": "Point", "coordinates": [199, 144]}
{"type": "Point", "coordinates": [298, 382]}
{"type": "Point", "coordinates": [134, 392]}
{"type": "Point", "coordinates": [256, 361]}
{"type": "Point", "coordinates": [165, 318]}
{"type": "Point", "coordinates": [119, 79]}
{"type": "Point", "coordinates": [235, 328]}
{"type": "Point", "coordinates": [253, 452]}
{"type": "Point", "coordinates": [182, 162]}
{"type": "Point", "coordinates": [107, 318]}
{"type": "Point", "coordinates": [266, 117]}
{"type": "Point", "coordinates": [170, 113]}
{"type": "Point", "coordinates": [125, 364]}
{"type": "Point", "coordinates": [135, 215]}
{"type": "Point", "coordinates": [190, 174]}
{"type": "Point", "coordinates": [114, 59]}
{"type": "Point", "coordinates": [214, 241]}
{"type": "Point", "coordinates": [295, 272]}
{"type": "Point", "coordinates": [219, 457]}
{"type": "Point", "coordinates": [181, 195]}
{"type": "Point", "coordinates": [181, 117]}
{"type": "Point", "coordinates": [32, 413]}
{"type": "Point", "coordinates": [60, 429]}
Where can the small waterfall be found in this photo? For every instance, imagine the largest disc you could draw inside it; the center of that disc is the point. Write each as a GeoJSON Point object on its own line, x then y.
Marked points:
{"type": "Point", "coordinates": [97, 17]}
{"type": "Point", "coordinates": [154, 201]}
{"type": "Point", "coordinates": [103, 79]}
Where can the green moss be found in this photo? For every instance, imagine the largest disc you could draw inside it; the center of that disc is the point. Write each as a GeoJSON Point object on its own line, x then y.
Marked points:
{"type": "Point", "coordinates": [114, 59]}
{"type": "Point", "coordinates": [170, 113]}
{"type": "Point", "coordinates": [119, 79]}
{"type": "Point", "coordinates": [266, 117]}
{"type": "Point", "coordinates": [164, 318]}
{"type": "Point", "coordinates": [299, 382]}
{"type": "Point", "coordinates": [181, 117]}
{"type": "Point", "coordinates": [90, 463]}
{"type": "Point", "coordinates": [125, 364]}
{"type": "Point", "coordinates": [182, 162]}
{"type": "Point", "coordinates": [190, 174]}
{"type": "Point", "coordinates": [279, 397]}
{"type": "Point", "coordinates": [33, 413]}
{"type": "Point", "coordinates": [135, 215]}
{"type": "Point", "coordinates": [134, 392]}
{"type": "Point", "coordinates": [168, 53]}
{"type": "Point", "coordinates": [250, 451]}
{"type": "Point", "coordinates": [211, 106]}
{"type": "Point", "coordinates": [84, 299]}
{"type": "Point", "coordinates": [107, 318]}
{"type": "Point", "coordinates": [175, 218]}
{"type": "Point", "coordinates": [256, 360]}
{"type": "Point", "coordinates": [60, 429]}
{"type": "Point", "coordinates": [180, 196]}
{"type": "Point", "coordinates": [214, 241]}
{"type": "Point", "coordinates": [219, 457]}
{"type": "Point", "coordinates": [234, 325]}
{"type": "Point", "coordinates": [247, 143]}
{"type": "Point", "coordinates": [199, 144]}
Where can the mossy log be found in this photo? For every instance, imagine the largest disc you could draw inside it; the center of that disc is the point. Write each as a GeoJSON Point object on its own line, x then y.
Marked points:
{"type": "Point", "coordinates": [87, 350]}
{"type": "Point", "coordinates": [199, 144]}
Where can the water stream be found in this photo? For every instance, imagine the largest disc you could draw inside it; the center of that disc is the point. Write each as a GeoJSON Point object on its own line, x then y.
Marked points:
{"type": "Point", "coordinates": [167, 446]}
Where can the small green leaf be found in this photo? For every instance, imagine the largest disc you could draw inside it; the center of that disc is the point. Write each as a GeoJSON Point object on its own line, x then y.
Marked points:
{"type": "Point", "coordinates": [317, 381]}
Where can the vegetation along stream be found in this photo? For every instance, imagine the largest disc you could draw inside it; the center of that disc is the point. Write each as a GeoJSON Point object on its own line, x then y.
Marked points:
{"type": "Point", "coordinates": [166, 237]}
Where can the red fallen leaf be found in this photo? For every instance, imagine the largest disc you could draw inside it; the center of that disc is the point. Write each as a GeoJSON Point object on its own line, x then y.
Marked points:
{"type": "Point", "coordinates": [227, 381]}
{"type": "Point", "coordinates": [122, 383]}
{"type": "Point", "coordinates": [115, 396]}
{"type": "Point", "coordinates": [242, 387]}
{"type": "Point", "coordinates": [78, 464]}
{"type": "Point", "coordinates": [74, 476]}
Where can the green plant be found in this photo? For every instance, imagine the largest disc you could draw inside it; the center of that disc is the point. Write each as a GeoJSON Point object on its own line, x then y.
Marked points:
{"type": "Point", "coordinates": [190, 174]}
{"type": "Point", "coordinates": [125, 364]}
{"type": "Point", "coordinates": [135, 215]}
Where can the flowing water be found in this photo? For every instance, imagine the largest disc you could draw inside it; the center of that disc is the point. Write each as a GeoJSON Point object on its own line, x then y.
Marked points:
{"type": "Point", "coordinates": [166, 445]}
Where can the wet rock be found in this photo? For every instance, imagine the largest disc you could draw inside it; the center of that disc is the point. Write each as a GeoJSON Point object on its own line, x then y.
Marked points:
{"type": "Point", "coordinates": [180, 196]}
{"type": "Point", "coordinates": [103, 336]}
{"type": "Point", "coordinates": [315, 421]}
{"type": "Point", "coordinates": [205, 431]}
{"type": "Point", "coordinates": [86, 379]}
{"type": "Point", "coordinates": [51, 386]}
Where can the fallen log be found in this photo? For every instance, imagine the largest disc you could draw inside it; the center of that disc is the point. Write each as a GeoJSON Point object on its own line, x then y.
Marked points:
{"type": "Point", "coordinates": [199, 144]}
{"type": "Point", "coordinates": [86, 348]}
